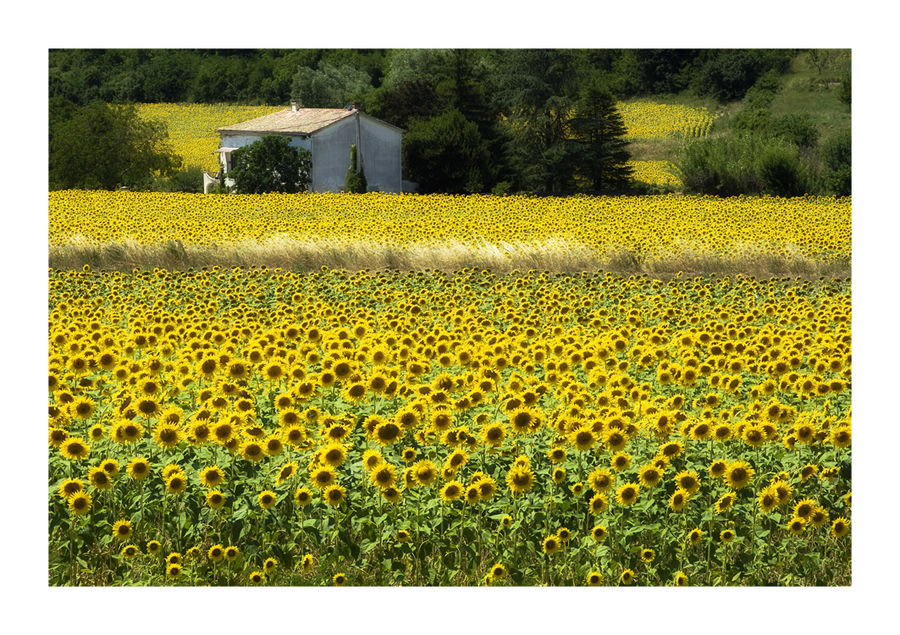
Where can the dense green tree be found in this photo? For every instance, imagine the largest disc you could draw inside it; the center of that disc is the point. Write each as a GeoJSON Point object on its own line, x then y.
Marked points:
{"type": "Point", "coordinates": [599, 154]}
{"type": "Point", "coordinates": [271, 165]}
{"type": "Point", "coordinates": [446, 153]}
{"type": "Point", "coordinates": [103, 147]}
{"type": "Point", "coordinates": [329, 86]}
{"type": "Point", "coordinates": [535, 91]}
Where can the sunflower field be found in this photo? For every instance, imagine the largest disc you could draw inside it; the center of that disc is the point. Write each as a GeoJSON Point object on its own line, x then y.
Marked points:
{"type": "Point", "coordinates": [817, 227]}
{"type": "Point", "coordinates": [259, 426]}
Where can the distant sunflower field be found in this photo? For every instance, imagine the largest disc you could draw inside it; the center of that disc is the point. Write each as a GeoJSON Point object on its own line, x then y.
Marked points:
{"type": "Point", "coordinates": [257, 426]}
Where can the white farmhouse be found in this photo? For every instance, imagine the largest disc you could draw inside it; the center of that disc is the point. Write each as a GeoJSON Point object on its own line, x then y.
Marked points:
{"type": "Point", "coordinates": [328, 133]}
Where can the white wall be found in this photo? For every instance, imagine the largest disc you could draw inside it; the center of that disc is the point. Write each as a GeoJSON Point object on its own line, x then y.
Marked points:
{"type": "Point", "coordinates": [380, 149]}
{"type": "Point", "coordinates": [331, 155]}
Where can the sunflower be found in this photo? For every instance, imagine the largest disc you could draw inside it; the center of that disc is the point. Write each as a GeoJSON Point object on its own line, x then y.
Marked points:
{"type": "Point", "coordinates": [286, 471]}
{"type": "Point", "coordinates": [783, 490]}
{"type": "Point", "coordinates": [768, 499]}
{"type": "Point", "coordinates": [679, 499]}
{"type": "Point", "coordinates": [223, 432]}
{"type": "Point", "coordinates": [212, 476]}
{"type": "Point", "coordinates": [577, 488]}
{"type": "Point", "coordinates": [648, 555]}
{"type": "Point", "coordinates": [506, 521]}
{"type": "Point", "coordinates": [130, 551]}
{"type": "Point", "coordinates": [680, 579]}
{"type": "Point", "coordinates": [627, 494]}
{"type": "Point", "coordinates": [456, 459]}
{"type": "Point", "coordinates": [391, 494]}
{"type": "Point", "coordinates": [840, 527]}
{"type": "Point", "coordinates": [425, 472]}
{"type": "Point", "coordinates": [599, 533]}
{"type": "Point", "coordinates": [82, 408]}
{"type": "Point", "coordinates": [75, 449]}
{"type": "Point", "coordinates": [215, 499]}
{"type": "Point", "coordinates": [725, 502]}
{"type": "Point", "coordinates": [583, 439]}
{"type": "Point", "coordinates": [138, 468]}
{"type": "Point", "coordinates": [232, 552]}
{"type": "Point", "coordinates": [216, 553]}
{"type": "Point", "coordinates": [167, 435]}
{"type": "Point", "coordinates": [671, 450]}
{"type": "Point", "coordinates": [649, 475]}
{"type": "Point", "coordinates": [339, 579]}
{"type": "Point", "coordinates": [334, 495]}
{"type": "Point", "coordinates": [79, 503]}
{"type": "Point", "coordinates": [807, 471]}
{"type": "Point", "coordinates": [257, 577]}
{"type": "Point", "coordinates": [804, 508]}
{"type": "Point", "coordinates": [594, 578]}
{"type": "Point", "coordinates": [841, 437]}
{"type": "Point", "coordinates": [688, 480]}
{"type": "Point", "coordinates": [451, 491]}
{"type": "Point", "coordinates": [627, 576]}
{"type": "Point", "coordinates": [551, 544]}
{"type": "Point", "coordinates": [333, 454]}
{"type": "Point", "coordinates": [97, 432]}
{"type": "Point", "coordinates": [726, 535]}
{"type": "Point", "coordinates": [154, 547]}
{"type": "Point", "coordinates": [387, 433]}
{"type": "Point", "coordinates": [487, 487]}
{"type": "Point", "coordinates": [173, 571]}
{"type": "Point", "coordinates": [717, 468]}
{"type": "Point", "coordinates": [173, 558]}
{"type": "Point", "coordinates": [601, 480]}
{"type": "Point", "coordinates": [176, 483]}
{"type": "Point", "coordinates": [270, 564]}
{"type": "Point", "coordinates": [559, 475]}
{"type": "Point", "coordinates": [253, 451]}
{"type": "Point", "coordinates": [99, 478]}
{"type": "Point", "coordinates": [818, 517]}
{"type": "Point", "coordinates": [371, 459]}
{"type": "Point", "coordinates": [797, 525]}
{"type": "Point", "coordinates": [56, 436]}
{"type": "Point", "coordinates": [520, 479]}
{"type": "Point", "coordinates": [383, 476]}
{"type": "Point", "coordinates": [126, 431]}
{"type": "Point", "coordinates": [493, 434]}
{"type": "Point", "coordinates": [599, 504]}
{"type": "Point", "coordinates": [695, 536]}
{"type": "Point", "coordinates": [738, 474]}
{"type": "Point", "coordinates": [620, 461]}
{"type": "Point", "coordinates": [122, 529]}
{"type": "Point", "coordinates": [70, 486]}
{"type": "Point", "coordinates": [307, 563]}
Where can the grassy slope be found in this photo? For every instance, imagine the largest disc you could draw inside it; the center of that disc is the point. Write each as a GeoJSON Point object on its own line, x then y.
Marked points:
{"type": "Point", "coordinates": [803, 90]}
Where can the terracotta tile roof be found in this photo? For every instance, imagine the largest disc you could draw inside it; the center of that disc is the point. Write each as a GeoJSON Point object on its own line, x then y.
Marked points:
{"type": "Point", "coordinates": [300, 121]}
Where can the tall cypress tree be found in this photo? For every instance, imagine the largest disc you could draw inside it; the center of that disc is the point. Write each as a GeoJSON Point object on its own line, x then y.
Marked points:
{"type": "Point", "coordinates": [597, 136]}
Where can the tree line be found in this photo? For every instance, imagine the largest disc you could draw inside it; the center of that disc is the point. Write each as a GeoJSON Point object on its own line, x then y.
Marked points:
{"type": "Point", "coordinates": [477, 120]}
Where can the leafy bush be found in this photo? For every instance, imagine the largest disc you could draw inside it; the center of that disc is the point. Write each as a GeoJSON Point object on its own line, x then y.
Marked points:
{"type": "Point", "coordinates": [271, 165]}
{"type": "Point", "coordinates": [745, 164]}
{"type": "Point", "coordinates": [837, 155]}
{"type": "Point", "coordinates": [797, 129]}
{"type": "Point", "coordinates": [781, 171]}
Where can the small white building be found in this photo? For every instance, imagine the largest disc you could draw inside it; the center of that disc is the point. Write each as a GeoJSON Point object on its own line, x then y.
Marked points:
{"type": "Point", "coordinates": [328, 133]}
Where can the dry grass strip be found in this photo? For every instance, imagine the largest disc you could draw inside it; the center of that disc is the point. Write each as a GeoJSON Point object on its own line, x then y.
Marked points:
{"type": "Point", "coordinates": [555, 255]}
